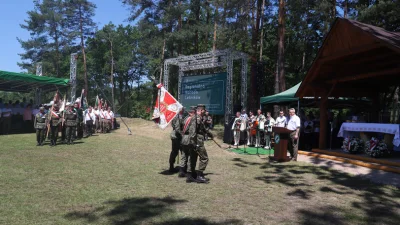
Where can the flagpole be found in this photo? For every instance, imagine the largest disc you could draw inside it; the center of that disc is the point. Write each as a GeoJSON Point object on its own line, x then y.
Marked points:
{"type": "Point", "coordinates": [49, 116]}
{"type": "Point", "coordinates": [64, 103]}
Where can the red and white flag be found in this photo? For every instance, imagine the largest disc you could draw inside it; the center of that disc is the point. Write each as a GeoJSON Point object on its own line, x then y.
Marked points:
{"type": "Point", "coordinates": [166, 108]}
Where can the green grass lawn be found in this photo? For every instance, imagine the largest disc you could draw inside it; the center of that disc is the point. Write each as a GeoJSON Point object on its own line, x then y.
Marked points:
{"type": "Point", "coordinates": [119, 179]}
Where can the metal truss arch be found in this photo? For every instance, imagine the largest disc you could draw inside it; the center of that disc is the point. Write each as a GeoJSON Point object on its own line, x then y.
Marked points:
{"type": "Point", "coordinates": [208, 60]}
{"type": "Point", "coordinates": [72, 75]}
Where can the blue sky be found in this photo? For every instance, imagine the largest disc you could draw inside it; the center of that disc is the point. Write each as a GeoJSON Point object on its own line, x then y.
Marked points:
{"type": "Point", "coordinates": [13, 14]}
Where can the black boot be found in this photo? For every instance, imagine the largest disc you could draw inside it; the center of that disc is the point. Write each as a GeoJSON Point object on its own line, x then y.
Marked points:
{"type": "Point", "coordinates": [171, 168]}
{"type": "Point", "coordinates": [200, 178]}
{"type": "Point", "coordinates": [189, 178]}
{"type": "Point", "coordinates": [182, 172]}
{"type": "Point", "coordinates": [51, 143]}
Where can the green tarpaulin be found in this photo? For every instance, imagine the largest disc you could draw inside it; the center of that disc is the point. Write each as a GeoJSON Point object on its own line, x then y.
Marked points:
{"type": "Point", "coordinates": [23, 82]}
{"type": "Point", "coordinates": [286, 96]}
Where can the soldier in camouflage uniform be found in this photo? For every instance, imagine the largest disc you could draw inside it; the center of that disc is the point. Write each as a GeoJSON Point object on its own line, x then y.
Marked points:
{"type": "Point", "coordinates": [200, 150]}
{"type": "Point", "coordinates": [176, 138]}
{"type": "Point", "coordinates": [197, 133]}
{"type": "Point", "coordinates": [54, 122]}
{"type": "Point", "coordinates": [71, 120]}
{"type": "Point", "coordinates": [79, 125]}
{"type": "Point", "coordinates": [188, 143]}
{"type": "Point", "coordinates": [40, 126]}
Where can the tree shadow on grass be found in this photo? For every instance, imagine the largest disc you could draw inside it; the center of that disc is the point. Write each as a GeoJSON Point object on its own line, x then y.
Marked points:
{"type": "Point", "coordinates": [199, 221]}
{"type": "Point", "coordinates": [137, 211]}
{"type": "Point", "coordinates": [243, 163]}
{"type": "Point", "coordinates": [330, 163]}
{"type": "Point", "coordinates": [327, 215]}
{"type": "Point", "coordinates": [126, 211]}
{"type": "Point", "coordinates": [380, 204]}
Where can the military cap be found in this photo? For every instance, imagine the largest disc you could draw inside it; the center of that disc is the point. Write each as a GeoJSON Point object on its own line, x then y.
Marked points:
{"type": "Point", "coordinates": [201, 106]}
{"type": "Point", "coordinates": [41, 108]}
{"type": "Point", "coordinates": [71, 104]}
{"type": "Point", "coordinates": [192, 108]}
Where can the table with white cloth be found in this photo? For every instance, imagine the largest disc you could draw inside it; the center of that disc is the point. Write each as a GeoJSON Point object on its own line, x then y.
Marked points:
{"type": "Point", "coordinates": [354, 129]}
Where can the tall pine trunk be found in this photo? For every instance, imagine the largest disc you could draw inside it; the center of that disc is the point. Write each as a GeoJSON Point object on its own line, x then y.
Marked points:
{"type": "Point", "coordinates": [85, 78]}
{"type": "Point", "coordinates": [281, 47]}
{"type": "Point", "coordinates": [215, 27]}
{"type": "Point", "coordinates": [196, 40]}
{"type": "Point", "coordinates": [333, 9]}
{"type": "Point", "coordinates": [112, 75]}
{"type": "Point", "coordinates": [179, 29]}
{"type": "Point", "coordinates": [262, 30]}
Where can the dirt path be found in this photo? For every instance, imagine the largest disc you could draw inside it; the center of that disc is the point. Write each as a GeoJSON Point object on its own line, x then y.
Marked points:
{"type": "Point", "coordinates": [377, 176]}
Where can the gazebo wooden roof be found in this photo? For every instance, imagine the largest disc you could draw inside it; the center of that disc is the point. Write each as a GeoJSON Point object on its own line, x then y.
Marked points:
{"type": "Point", "coordinates": [355, 60]}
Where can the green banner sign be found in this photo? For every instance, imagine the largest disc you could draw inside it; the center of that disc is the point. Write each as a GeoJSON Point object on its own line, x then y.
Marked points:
{"type": "Point", "coordinates": [209, 90]}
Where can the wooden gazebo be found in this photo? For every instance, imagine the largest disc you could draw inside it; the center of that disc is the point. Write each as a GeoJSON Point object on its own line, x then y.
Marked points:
{"type": "Point", "coordinates": [355, 60]}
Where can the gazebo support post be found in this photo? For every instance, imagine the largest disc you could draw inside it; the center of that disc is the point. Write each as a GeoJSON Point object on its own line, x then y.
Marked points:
{"type": "Point", "coordinates": [374, 117]}
{"type": "Point", "coordinates": [323, 121]}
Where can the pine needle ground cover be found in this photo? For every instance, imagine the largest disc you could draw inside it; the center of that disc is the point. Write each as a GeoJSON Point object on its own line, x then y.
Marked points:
{"type": "Point", "coordinates": [121, 179]}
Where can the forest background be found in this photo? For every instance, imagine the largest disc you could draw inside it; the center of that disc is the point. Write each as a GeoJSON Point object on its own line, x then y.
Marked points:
{"type": "Point", "coordinates": [117, 62]}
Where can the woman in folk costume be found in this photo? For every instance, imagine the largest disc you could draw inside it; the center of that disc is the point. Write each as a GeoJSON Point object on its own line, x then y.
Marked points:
{"type": "Point", "coordinates": [244, 118]}
{"type": "Point", "coordinates": [260, 118]}
{"type": "Point", "coordinates": [236, 129]}
{"type": "Point", "coordinates": [268, 130]}
{"type": "Point", "coordinates": [251, 131]}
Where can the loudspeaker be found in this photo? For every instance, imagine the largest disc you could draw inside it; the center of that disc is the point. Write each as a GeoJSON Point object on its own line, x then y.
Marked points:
{"type": "Point", "coordinates": [228, 133]}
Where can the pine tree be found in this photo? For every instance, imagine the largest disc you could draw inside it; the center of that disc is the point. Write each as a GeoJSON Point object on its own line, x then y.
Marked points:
{"type": "Point", "coordinates": [80, 24]}
{"type": "Point", "coordinates": [47, 26]}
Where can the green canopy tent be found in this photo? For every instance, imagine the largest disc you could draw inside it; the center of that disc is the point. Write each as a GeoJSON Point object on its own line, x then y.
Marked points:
{"type": "Point", "coordinates": [285, 96]}
{"type": "Point", "coordinates": [23, 82]}
{"type": "Point", "coordinates": [289, 96]}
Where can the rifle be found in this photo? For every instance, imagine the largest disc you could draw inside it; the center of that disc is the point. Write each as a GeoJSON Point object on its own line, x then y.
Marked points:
{"type": "Point", "coordinates": [129, 130]}
{"type": "Point", "coordinates": [216, 142]}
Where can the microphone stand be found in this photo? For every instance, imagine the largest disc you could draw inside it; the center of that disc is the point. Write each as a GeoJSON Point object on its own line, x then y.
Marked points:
{"type": "Point", "coordinates": [230, 141]}
{"type": "Point", "coordinates": [259, 139]}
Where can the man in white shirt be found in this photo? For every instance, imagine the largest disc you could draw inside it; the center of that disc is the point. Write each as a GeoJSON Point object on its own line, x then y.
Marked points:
{"type": "Point", "coordinates": [102, 119]}
{"type": "Point", "coordinates": [260, 118]}
{"type": "Point", "coordinates": [293, 125]}
{"type": "Point", "coordinates": [268, 130]}
{"type": "Point", "coordinates": [109, 117]}
{"type": "Point", "coordinates": [281, 120]}
{"type": "Point", "coordinates": [97, 120]}
{"type": "Point", "coordinates": [89, 120]}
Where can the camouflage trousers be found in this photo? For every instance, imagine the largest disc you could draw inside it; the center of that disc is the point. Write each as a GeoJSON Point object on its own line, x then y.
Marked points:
{"type": "Point", "coordinates": [176, 147]}
{"type": "Point", "coordinates": [185, 157]}
{"type": "Point", "coordinates": [40, 135]}
{"type": "Point", "coordinates": [70, 132]}
{"type": "Point", "coordinates": [53, 133]}
{"type": "Point", "coordinates": [201, 153]}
